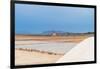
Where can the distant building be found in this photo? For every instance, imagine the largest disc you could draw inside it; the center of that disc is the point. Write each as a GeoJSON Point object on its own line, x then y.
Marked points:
{"type": "Point", "coordinates": [54, 34]}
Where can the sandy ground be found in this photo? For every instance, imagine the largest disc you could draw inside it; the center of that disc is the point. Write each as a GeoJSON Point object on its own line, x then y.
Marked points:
{"type": "Point", "coordinates": [52, 38]}
{"type": "Point", "coordinates": [24, 57]}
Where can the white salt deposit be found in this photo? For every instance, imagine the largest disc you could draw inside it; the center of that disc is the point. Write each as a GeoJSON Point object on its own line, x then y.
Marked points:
{"type": "Point", "coordinates": [84, 51]}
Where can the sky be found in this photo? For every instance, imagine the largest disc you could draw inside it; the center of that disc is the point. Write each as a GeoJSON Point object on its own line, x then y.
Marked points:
{"type": "Point", "coordinates": [35, 19]}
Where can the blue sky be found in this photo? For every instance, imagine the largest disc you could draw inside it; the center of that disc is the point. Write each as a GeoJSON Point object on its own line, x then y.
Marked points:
{"type": "Point", "coordinates": [34, 19]}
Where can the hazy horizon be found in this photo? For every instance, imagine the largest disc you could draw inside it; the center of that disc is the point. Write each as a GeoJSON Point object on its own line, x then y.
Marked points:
{"type": "Point", "coordinates": [35, 19]}
{"type": "Point", "coordinates": [42, 33]}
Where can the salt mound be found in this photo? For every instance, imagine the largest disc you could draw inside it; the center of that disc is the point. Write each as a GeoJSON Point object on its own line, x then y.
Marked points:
{"type": "Point", "coordinates": [84, 51]}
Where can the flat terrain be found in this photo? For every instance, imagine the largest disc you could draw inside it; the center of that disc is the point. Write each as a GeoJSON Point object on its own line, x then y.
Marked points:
{"type": "Point", "coordinates": [25, 57]}
{"type": "Point", "coordinates": [52, 38]}
{"type": "Point", "coordinates": [50, 47]}
{"type": "Point", "coordinates": [31, 49]}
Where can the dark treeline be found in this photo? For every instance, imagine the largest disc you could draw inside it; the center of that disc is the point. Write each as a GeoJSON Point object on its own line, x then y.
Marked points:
{"type": "Point", "coordinates": [58, 33]}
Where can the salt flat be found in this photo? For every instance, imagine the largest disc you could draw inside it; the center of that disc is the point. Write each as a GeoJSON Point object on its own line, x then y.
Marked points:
{"type": "Point", "coordinates": [31, 49]}
{"type": "Point", "coordinates": [25, 57]}
{"type": "Point", "coordinates": [55, 47]}
{"type": "Point", "coordinates": [84, 51]}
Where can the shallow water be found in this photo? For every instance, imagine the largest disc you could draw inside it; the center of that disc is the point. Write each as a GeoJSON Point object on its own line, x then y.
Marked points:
{"type": "Point", "coordinates": [55, 47]}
